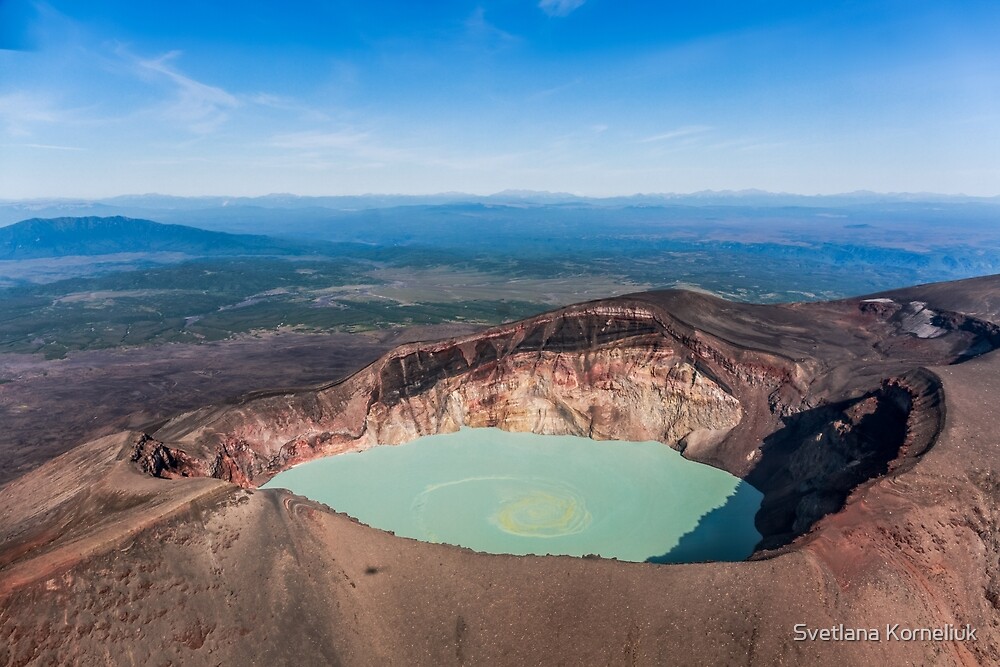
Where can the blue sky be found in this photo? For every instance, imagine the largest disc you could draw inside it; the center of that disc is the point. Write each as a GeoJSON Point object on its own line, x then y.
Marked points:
{"type": "Point", "coordinates": [594, 97]}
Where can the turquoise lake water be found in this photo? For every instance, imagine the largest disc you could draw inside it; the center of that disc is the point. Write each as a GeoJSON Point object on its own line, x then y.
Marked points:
{"type": "Point", "coordinates": [521, 493]}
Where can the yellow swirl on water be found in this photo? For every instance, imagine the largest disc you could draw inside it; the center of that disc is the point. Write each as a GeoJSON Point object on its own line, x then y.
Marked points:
{"type": "Point", "coordinates": [543, 514]}
{"type": "Point", "coordinates": [540, 508]}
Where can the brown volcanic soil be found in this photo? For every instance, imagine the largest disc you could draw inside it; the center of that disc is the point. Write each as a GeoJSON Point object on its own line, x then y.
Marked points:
{"type": "Point", "coordinates": [104, 562]}
{"type": "Point", "coordinates": [48, 407]}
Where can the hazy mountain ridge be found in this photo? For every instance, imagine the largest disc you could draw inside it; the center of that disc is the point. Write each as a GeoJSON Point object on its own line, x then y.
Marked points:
{"type": "Point", "coordinates": [92, 235]}
{"type": "Point", "coordinates": [12, 210]}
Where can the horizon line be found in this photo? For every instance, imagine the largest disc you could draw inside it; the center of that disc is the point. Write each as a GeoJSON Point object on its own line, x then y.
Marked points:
{"type": "Point", "coordinates": [510, 192]}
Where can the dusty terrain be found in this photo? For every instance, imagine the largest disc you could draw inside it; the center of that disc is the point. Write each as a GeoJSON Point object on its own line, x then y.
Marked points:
{"type": "Point", "coordinates": [48, 407]}
{"type": "Point", "coordinates": [866, 423]}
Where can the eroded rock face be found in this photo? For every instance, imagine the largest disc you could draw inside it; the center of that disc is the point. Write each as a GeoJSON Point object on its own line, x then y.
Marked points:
{"type": "Point", "coordinates": [607, 373]}
{"type": "Point", "coordinates": [607, 394]}
{"type": "Point", "coordinates": [157, 460]}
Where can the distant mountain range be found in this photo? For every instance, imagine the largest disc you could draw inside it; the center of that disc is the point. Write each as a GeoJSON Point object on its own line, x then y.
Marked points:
{"type": "Point", "coordinates": [405, 218]}
{"type": "Point", "coordinates": [11, 210]}
{"type": "Point", "coordinates": [61, 237]}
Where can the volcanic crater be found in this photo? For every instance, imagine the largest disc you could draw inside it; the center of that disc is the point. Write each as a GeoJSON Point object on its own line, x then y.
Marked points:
{"type": "Point", "coordinates": [832, 410]}
{"type": "Point", "coordinates": [626, 369]}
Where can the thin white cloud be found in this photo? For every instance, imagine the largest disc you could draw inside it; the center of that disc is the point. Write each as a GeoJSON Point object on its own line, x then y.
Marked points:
{"type": "Point", "coordinates": [483, 34]}
{"type": "Point", "coordinates": [274, 101]}
{"type": "Point", "coordinates": [555, 90]}
{"type": "Point", "coordinates": [20, 110]}
{"type": "Point", "coordinates": [560, 7]}
{"type": "Point", "coordinates": [763, 146]}
{"type": "Point", "coordinates": [283, 103]}
{"type": "Point", "coordinates": [51, 147]}
{"type": "Point", "coordinates": [343, 139]}
{"type": "Point", "coordinates": [730, 143]}
{"type": "Point", "coordinates": [344, 148]}
{"type": "Point", "coordinates": [685, 131]}
{"type": "Point", "coordinates": [201, 107]}
{"type": "Point", "coordinates": [353, 149]}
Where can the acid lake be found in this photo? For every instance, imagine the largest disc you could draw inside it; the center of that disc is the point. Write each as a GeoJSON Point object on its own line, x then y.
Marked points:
{"type": "Point", "coordinates": [522, 493]}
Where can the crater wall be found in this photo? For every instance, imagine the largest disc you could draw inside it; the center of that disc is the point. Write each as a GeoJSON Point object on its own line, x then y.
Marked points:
{"type": "Point", "coordinates": [621, 370]}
